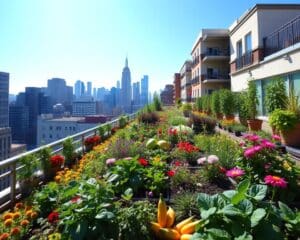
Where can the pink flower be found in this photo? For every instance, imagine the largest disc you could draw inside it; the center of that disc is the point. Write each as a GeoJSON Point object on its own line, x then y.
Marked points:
{"type": "Point", "coordinates": [275, 181]}
{"type": "Point", "coordinates": [267, 166]}
{"type": "Point", "coordinates": [212, 159]}
{"type": "Point", "coordinates": [249, 152]}
{"type": "Point", "coordinates": [177, 163]}
{"type": "Point", "coordinates": [201, 161]}
{"type": "Point", "coordinates": [110, 161]}
{"type": "Point", "coordinates": [235, 172]}
{"type": "Point", "coordinates": [252, 138]}
{"type": "Point", "coordinates": [267, 144]}
{"type": "Point", "coordinates": [257, 148]}
{"type": "Point", "coordinates": [242, 144]}
{"type": "Point", "coordinates": [276, 137]}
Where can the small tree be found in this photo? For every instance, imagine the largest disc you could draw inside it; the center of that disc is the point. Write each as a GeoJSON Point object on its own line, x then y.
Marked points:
{"type": "Point", "coordinates": [252, 99]}
{"type": "Point", "coordinates": [215, 103]}
{"type": "Point", "coordinates": [276, 96]}
{"type": "Point", "coordinates": [199, 104]}
{"type": "Point", "coordinates": [227, 104]}
{"type": "Point", "coordinates": [157, 103]}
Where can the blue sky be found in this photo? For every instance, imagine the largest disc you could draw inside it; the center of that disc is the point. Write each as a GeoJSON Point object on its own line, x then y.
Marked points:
{"type": "Point", "coordinates": [89, 39]}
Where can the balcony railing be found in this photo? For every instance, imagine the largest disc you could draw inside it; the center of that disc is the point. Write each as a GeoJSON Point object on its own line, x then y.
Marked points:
{"type": "Point", "coordinates": [216, 76]}
{"type": "Point", "coordinates": [217, 52]}
{"type": "Point", "coordinates": [244, 61]}
{"type": "Point", "coordinates": [195, 61]}
{"type": "Point", "coordinates": [195, 80]}
{"type": "Point", "coordinates": [286, 36]}
{"type": "Point", "coordinates": [11, 166]}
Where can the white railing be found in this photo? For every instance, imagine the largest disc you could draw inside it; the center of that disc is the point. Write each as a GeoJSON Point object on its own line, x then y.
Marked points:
{"type": "Point", "coordinates": [8, 195]}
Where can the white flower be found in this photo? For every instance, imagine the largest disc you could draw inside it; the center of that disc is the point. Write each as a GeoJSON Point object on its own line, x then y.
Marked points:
{"type": "Point", "coordinates": [212, 159]}
{"type": "Point", "coordinates": [201, 160]}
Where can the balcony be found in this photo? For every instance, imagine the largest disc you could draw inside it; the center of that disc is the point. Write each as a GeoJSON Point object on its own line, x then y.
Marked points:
{"type": "Point", "coordinates": [244, 61]}
{"type": "Point", "coordinates": [215, 78]}
{"type": "Point", "coordinates": [195, 61]}
{"type": "Point", "coordinates": [195, 80]}
{"type": "Point", "coordinates": [286, 36]}
{"type": "Point", "coordinates": [216, 55]}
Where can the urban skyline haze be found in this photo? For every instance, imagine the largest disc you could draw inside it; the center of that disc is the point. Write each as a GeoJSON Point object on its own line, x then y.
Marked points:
{"type": "Point", "coordinates": [88, 40]}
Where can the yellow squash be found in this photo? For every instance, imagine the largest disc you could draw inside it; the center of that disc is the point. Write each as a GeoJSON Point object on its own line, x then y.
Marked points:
{"type": "Point", "coordinates": [162, 212]}
{"type": "Point", "coordinates": [155, 227]}
{"type": "Point", "coordinates": [169, 234]}
{"type": "Point", "coordinates": [170, 217]}
{"type": "Point", "coordinates": [189, 228]}
{"type": "Point", "coordinates": [186, 236]}
{"type": "Point", "coordinates": [183, 223]}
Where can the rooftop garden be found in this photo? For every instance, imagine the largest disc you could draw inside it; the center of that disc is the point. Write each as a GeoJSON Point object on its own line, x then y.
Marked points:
{"type": "Point", "coordinates": [167, 175]}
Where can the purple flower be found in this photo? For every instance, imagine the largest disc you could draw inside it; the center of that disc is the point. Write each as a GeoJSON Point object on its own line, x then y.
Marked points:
{"type": "Point", "coordinates": [276, 137]}
{"type": "Point", "coordinates": [150, 194]}
{"type": "Point", "coordinates": [257, 148]}
{"type": "Point", "coordinates": [252, 138]}
{"type": "Point", "coordinates": [267, 144]}
{"type": "Point", "coordinates": [201, 161]}
{"type": "Point", "coordinates": [110, 161]}
{"type": "Point", "coordinates": [235, 172]}
{"type": "Point", "coordinates": [212, 159]}
{"type": "Point", "coordinates": [249, 152]}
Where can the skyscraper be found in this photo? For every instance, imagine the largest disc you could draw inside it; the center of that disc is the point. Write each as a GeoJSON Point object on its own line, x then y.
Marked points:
{"type": "Point", "coordinates": [136, 93]}
{"type": "Point", "coordinates": [79, 89]}
{"type": "Point", "coordinates": [19, 122]}
{"type": "Point", "coordinates": [126, 88]}
{"type": "Point", "coordinates": [4, 85]}
{"type": "Point", "coordinates": [57, 90]}
{"type": "Point", "coordinates": [89, 89]}
{"type": "Point", "coordinates": [144, 90]}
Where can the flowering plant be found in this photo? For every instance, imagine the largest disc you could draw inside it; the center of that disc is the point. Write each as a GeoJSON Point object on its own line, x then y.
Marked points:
{"type": "Point", "coordinates": [186, 151]}
{"type": "Point", "coordinates": [57, 161]}
{"type": "Point", "coordinates": [94, 140]}
{"type": "Point", "coordinates": [173, 136]}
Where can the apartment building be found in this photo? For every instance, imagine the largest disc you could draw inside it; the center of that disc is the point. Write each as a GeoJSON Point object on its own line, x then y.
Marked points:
{"type": "Point", "coordinates": [210, 65]}
{"type": "Point", "coordinates": [265, 43]}
{"type": "Point", "coordinates": [185, 81]}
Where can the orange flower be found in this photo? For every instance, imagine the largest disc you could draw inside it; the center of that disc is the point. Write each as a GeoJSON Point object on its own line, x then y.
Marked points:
{"type": "Point", "coordinates": [33, 215]}
{"type": "Point", "coordinates": [19, 205]}
{"type": "Point", "coordinates": [4, 236]}
{"type": "Point", "coordinates": [8, 222]}
{"type": "Point", "coordinates": [15, 231]}
{"type": "Point", "coordinates": [16, 215]}
{"type": "Point", "coordinates": [28, 213]}
{"type": "Point", "coordinates": [7, 216]}
{"type": "Point", "coordinates": [28, 208]}
{"type": "Point", "coordinates": [57, 179]}
{"type": "Point", "coordinates": [24, 223]}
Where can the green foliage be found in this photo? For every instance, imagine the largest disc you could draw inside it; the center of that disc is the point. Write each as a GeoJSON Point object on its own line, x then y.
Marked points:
{"type": "Point", "coordinates": [227, 102]}
{"type": "Point", "coordinates": [275, 95]}
{"type": "Point", "coordinates": [224, 147]}
{"type": "Point", "coordinates": [206, 103]}
{"type": "Point", "coordinates": [242, 107]}
{"type": "Point", "coordinates": [185, 205]}
{"type": "Point", "coordinates": [123, 147]}
{"type": "Point", "coordinates": [177, 120]}
{"type": "Point", "coordinates": [293, 103]}
{"type": "Point", "coordinates": [238, 128]}
{"type": "Point", "coordinates": [30, 165]}
{"type": "Point", "coordinates": [134, 220]}
{"type": "Point", "coordinates": [122, 121]}
{"type": "Point", "coordinates": [157, 103]}
{"type": "Point", "coordinates": [240, 214]}
{"type": "Point", "coordinates": [202, 124]}
{"type": "Point", "coordinates": [283, 120]}
{"type": "Point", "coordinates": [215, 103]}
{"type": "Point", "coordinates": [44, 155]}
{"type": "Point", "coordinates": [178, 103]}
{"type": "Point", "coordinates": [252, 99]}
{"type": "Point", "coordinates": [199, 104]}
{"type": "Point", "coordinates": [68, 151]}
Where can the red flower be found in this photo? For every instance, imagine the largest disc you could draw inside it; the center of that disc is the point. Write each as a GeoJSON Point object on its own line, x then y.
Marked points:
{"type": "Point", "coordinates": [53, 217]}
{"type": "Point", "coordinates": [187, 147]}
{"type": "Point", "coordinates": [94, 140]}
{"type": "Point", "coordinates": [57, 160]}
{"type": "Point", "coordinates": [172, 131]}
{"type": "Point", "coordinates": [177, 163]}
{"type": "Point", "coordinates": [171, 173]}
{"type": "Point", "coordinates": [143, 162]}
{"type": "Point", "coordinates": [75, 199]}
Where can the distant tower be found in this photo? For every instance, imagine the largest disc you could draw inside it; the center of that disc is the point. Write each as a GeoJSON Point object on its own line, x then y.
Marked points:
{"type": "Point", "coordinates": [126, 88]}
{"type": "Point", "coordinates": [4, 86]}
{"type": "Point", "coordinates": [144, 90]}
{"type": "Point", "coordinates": [89, 89]}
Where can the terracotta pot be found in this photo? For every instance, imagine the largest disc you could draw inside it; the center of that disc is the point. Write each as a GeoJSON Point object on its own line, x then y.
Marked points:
{"type": "Point", "coordinates": [254, 124]}
{"type": "Point", "coordinates": [292, 137]}
{"type": "Point", "coordinates": [229, 117]}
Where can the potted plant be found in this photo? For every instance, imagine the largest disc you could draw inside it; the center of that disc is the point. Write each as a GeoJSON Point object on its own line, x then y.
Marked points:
{"type": "Point", "coordinates": [90, 142]}
{"type": "Point", "coordinates": [242, 108]}
{"type": "Point", "coordinates": [238, 129]}
{"type": "Point", "coordinates": [187, 109]}
{"type": "Point", "coordinates": [287, 122]}
{"type": "Point", "coordinates": [198, 104]}
{"type": "Point", "coordinates": [227, 104]}
{"type": "Point", "coordinates": [276, 96]}
{"type": "Point", "coordinates": [27, 175]}
{"type": "Point", "coordinates": [56, 162]}
{"type": "Point", "coordinates": [44, 155]}
{"type": "Point", "coordinates": [215, 105]}
{"type": "Point", "coordinates": [69, 152]}
{"type": "Point", "coordinates": [252, 102]}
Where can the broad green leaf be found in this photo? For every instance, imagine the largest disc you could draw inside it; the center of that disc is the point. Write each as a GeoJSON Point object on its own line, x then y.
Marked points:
{"type": "Point", "coordinates": [128, 194]}
{"type": "Point", "coordinates": [198, 236]}
{"type": "Point", "coordinates": [245, 236]}
{"type": "Point", "coordinates": [113, 177]}
{"type": "Point", "coordinates": [246, 206]}
{"type": "Point", "coordinates": [207, 213]}
{"type": "Point", "coordinates": [105, 215]}
{"type": "Point", "coordinates": [241, 191]}
{"type": "Point", "coordinates": [257, 215]}
{"type": "Point", "coordinates": [218, 233]}
{"type": "Point", "coordinates": [80, 231]}
{"type": "Point", "coordinates": [286, 212]}
{"type": "Point", "coordinates": [258, 192]}
{"type": "Point", "coordinates": [205, 201]}
{"type": "Point", "coordinates": [230, 210]}
{"type": "Point", "coordinates": [229, 194]}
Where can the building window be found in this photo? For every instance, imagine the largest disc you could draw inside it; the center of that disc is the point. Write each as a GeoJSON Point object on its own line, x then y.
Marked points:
{"type": "Point", "coordinates": [239, 49]}
{"type": "Point", "coordinates": [248, 43]}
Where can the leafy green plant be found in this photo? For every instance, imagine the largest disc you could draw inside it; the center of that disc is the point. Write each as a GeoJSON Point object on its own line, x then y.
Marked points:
{"type": "Point", "coordinates": [215, 103]}
{"type": "Point", "coordinates": [122, 121]}
{"type": "Point", "coordinates": [242, 107]}
{"type": "Point", "coordinates": [199, 104]}
{"type": "Point", "coordinates": [283, 120]}
{"type": "Point", "coordinates": [177, 120]}
{"type": "Point", "coordinates": [185, 205]}
{"type": "Point", "coordinates": [276, 96]}
{"type": "Point", "coordinates": [157, 103]}
{"type": "Point", "coordinates": [30, 164]}
{"type": "Point", "coordinates": [227, 103]}
{"type": "Point", "coordinates": [134, 220]}
{"type": "Point", "coordinates": [69, 152]}
{"type": "Point", "coordinates": [293, 103]}
{"type": "Point", "coordinates": [206, 103]}
{"type": "Point", "coordinates": [44, 155]}
{"type": "Point", "coordinates": [187, 108]}
{"type": "Point", "coordinates": [238, 128]}
{"type": "Point", "coordinates": [239, 214]}
{"type": "Point", "coordinates": [252, 99]}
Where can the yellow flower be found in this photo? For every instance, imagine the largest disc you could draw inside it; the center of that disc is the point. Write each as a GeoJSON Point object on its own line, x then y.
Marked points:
{"type": "Point", "coordinates": [16, 215]}
{"type": "Point", "coordinates": [57, 179]}
{"type": "Point", "coordinates": [8, 222]}
{"type": "Point", "coordinates": [24, 223]}
{"type": "Point", "coordinates": [7, 216]}
{"type": "Point", "coordinates": [156, 159]}
{"type": "Point", "coordinates": [287, 166]}
{"type": "Point", "coordinates": [28, 213]}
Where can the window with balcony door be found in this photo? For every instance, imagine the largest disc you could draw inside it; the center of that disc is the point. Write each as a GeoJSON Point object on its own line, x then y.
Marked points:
{"type": "Point", "coordinates": [248, 43]}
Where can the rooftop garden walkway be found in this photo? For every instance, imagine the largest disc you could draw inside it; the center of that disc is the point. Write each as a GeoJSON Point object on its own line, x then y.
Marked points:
{"type": "Point", "coordinates": [162, 176]}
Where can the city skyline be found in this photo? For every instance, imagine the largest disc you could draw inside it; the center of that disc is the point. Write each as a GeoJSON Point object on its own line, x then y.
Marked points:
{"type": "Point", "coordinates": [46, 39]}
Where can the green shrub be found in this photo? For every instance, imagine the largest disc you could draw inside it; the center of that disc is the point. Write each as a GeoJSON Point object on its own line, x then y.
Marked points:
{"type": "Point", "coordinates": [157, 103]}
{"type": "Point", "coordinates": [227, 103]}
{"type": "Point", "coordinates": [199, 104]}
{"type": "Point", "coordinates": [215, 103]}
{"type": "Point", "coordinates": [283, 120]}
{"type": "Point", "coordinates": [252, 99]}
{"type": "Point", "coordinates": [68, 151]}
{"type": "Point", "coordinates": [202, 123]}
{"type": "Point", "coordinates": [276, 96]}
{"type": "Point", "coordinates": [242, 107]}
{"type": "Point", "coordinates": [206, 103]}
{"type": "Point", "coordinates": [177, 120]}
{"type": "Point", "coordinates": [185, 205]}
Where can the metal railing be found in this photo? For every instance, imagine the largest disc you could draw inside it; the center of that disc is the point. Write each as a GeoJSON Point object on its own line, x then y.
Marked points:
{"type": "Point", "coordinates": [217, 52]}
{"type": "Point", "coordinates": [195, 80]}
{"type": "Point", "coordinates": [287, 35]}
{"type": "Point", "coordinates": [215, 76]}
{"type": "Point", "coordinates": [11, 165]}
{"type": "Point", "coordinates": [245, 60]}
